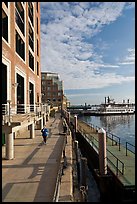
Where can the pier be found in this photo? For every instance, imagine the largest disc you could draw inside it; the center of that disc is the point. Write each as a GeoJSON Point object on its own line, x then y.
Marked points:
{"type": "Point", "coordinates": [120, 162]}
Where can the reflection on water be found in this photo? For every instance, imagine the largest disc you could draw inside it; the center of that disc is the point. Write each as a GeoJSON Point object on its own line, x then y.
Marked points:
{"type": "Point", "coordinates": [121, 125]}
{"type": "Point", "coordinates": [111, 122]}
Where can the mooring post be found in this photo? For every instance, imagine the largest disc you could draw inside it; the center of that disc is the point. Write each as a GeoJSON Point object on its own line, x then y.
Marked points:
{"type": "Point", "coordinates": [102, 152]}
{"type": "Point", "coordinates": [83, 171]}
{"type": "Point", "coordinates": [75, 123]}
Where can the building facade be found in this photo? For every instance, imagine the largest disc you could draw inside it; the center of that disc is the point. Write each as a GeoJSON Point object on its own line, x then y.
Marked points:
{"type": "Point", "coordinates": [51, 89]}
{"type": "Point", "coordinates": [21, 74]}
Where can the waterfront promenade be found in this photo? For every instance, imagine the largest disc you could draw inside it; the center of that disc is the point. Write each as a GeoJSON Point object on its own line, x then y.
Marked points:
{"type": "Point", "coordinates": [31, 176]}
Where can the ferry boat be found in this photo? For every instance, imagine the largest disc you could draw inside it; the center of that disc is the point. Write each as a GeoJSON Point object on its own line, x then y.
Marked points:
{"type": "Point", "coordinates": [110, 107]}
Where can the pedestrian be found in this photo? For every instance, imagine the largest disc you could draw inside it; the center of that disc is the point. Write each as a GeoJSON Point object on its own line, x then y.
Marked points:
{"type": "Point", "coordinates": [44, 134]}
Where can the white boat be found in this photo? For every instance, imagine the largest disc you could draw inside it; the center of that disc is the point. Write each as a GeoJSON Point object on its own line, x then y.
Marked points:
{"type": "Point", "coordinates": [110, 107]}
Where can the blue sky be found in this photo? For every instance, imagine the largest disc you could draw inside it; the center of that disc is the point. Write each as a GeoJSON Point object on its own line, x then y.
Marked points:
{"type": "Point", "coordinates": [91, 45]}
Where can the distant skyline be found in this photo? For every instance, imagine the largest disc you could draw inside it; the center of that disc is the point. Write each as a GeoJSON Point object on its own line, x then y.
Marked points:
{"type": "Point", "coordinates": [91, 45]}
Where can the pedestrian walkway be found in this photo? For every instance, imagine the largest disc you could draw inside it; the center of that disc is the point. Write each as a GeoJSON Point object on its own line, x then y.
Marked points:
{"type": "Point", "coordinates": [31, 175]}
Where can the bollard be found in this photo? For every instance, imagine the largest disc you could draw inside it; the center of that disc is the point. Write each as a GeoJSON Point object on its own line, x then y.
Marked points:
{"type": "Point", "coordinates": [75, 123]}
{"type": "Point", "coordinates": [83, 172]}
{"type": "Point", "coordinates": [9, 146]}
{"type": "Point", "coordinates": [102, 152]}
{"type": "Point", "coordinates": [76, 149]}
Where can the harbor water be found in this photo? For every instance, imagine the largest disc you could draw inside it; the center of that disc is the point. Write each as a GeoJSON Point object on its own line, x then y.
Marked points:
{"type": "Point", "coordinates": [122, 126]}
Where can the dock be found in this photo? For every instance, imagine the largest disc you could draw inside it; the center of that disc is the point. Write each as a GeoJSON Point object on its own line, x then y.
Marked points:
{"type": "Point", "coordinates": [120, 161]}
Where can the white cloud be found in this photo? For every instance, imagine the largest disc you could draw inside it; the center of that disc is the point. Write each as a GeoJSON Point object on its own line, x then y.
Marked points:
{"type": "Point", "coordinates": [130, 58]}
{"type": "Point", "coordinates": [63, 46]}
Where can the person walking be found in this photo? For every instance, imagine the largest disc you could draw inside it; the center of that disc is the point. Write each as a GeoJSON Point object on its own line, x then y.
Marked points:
{"type": "Point", "coordinates": [44, 134]}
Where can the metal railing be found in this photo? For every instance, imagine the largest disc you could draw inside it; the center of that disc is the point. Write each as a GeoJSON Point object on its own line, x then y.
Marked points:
{"type": "Point", "coordinates": [115, 139]}
{"type": "Point", "coordinates": [10, 110]}
{"type": "Point", "coordinates": [127, 149]}
{"type": "Point", "coordinates": [23, 108]}
{"type": "Point", "coordinates": [118, 161]}
{"type": "Point", "coordinates": [117, 166]}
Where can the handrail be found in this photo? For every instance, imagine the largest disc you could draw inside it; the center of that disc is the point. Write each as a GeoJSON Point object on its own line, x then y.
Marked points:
{"type": "Point", "coordinates": [117, 162]}
{"type": "Point", "coordinates": [117, 159]}
{"type": "Point", "coordinates": [112, 138]}
{"type": "Point", "coordinates": [129, 149]}
{"type": "Point", "coordinates": [23, 108]}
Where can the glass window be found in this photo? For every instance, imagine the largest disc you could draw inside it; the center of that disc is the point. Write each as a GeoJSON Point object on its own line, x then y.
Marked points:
{"type": "Point", "coordinates": [31, 37]}
{"type": "Point", "coordinates": [31, 61]}
{"type": "Point", "coordinates": [20, 46]}
{"type": "Point", "coordinates": [19, 13]}
{"type": "Point", "coordinates": [4, 25]}
{"type": "Point", "coordinates": [30, 10]}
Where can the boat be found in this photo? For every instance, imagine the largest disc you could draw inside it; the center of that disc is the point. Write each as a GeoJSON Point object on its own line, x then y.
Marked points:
{"type": "Point", "coordinates": [110, 107]}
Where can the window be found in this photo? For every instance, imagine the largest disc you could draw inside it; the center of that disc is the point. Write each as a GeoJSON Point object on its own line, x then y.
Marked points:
{"type": "Point", "coordinates": [19, 12]}
{"type": "Point", "coordinates": [30, 11]}
{"type": "Point", "coordinates": [37, 68]}
{"type": "Point", "coordinates": [31, 96]}
{"type": "Point", "coordinates": [37, 26]}
{"type": "Point", "coordinates": [49, 83]}
{"type": "Point", "coordinates": [31, 61]}
{"type": "Point", "coordinates": [20, 46]}
{"type": "Point", "coordinates": [31, 37]}
{"type": "Point", "coordinates": [4, 26]}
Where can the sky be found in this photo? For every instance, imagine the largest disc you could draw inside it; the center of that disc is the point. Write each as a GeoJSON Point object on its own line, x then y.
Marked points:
{"type": "Point", "coordinates": [91, 45]}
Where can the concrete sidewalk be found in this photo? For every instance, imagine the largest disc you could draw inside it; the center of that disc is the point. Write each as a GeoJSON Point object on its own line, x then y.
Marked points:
{"type": "Point", "coordinates": [31, 175]}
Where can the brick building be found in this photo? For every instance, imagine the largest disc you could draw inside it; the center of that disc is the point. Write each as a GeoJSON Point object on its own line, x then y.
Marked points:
{"type": "Point", "coordinates": [21, 74]}
{"type": "Point", "coordinates": [51, 89]}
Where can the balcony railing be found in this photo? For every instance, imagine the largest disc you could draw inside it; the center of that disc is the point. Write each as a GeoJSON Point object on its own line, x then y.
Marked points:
{"type": "Point", "coordinates": [9, 110]}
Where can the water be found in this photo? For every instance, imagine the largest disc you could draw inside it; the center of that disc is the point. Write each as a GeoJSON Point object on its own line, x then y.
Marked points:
{"type": "Point", "coordinates": [122, 126]}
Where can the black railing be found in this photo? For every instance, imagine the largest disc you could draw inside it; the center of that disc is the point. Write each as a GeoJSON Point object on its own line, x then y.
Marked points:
{"type": "Point", "coordinates": [95, 147]}
{"type": "Point", "coordinates": [117, 163]}
{"type": "Point", "coordinates": [127, 149]}
{"type": "Point", "coordinates": [112, 137]}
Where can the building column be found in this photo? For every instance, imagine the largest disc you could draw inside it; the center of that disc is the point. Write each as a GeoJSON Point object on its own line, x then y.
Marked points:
{"type": "Point", "coordinates": [9, 146]}
{"type": "Point", "coordinates": [102, 152]}
{"type": "Point", "coordinates": [32, 131]}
